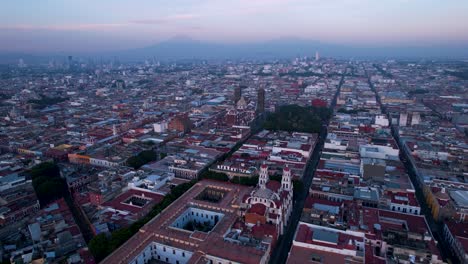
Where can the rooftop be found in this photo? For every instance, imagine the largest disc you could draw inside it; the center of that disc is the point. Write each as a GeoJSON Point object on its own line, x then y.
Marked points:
{"type": "Point", "coordinates": [160, 229]}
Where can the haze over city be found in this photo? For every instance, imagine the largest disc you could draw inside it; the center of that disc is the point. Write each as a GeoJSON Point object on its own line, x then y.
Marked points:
{"type": "Point", "coordinates": [52, 26]}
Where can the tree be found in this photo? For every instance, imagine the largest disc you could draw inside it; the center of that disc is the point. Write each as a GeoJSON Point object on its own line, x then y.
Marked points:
{"type": "Point", "coordinates": [297, 118]}
{"type": "Point", "coordinates": [47, 183]}
{"type": "Point", "coordinates": [142, 158]}
{"type": "Point", "coordinates": [100, 246]}
{"type": "Point", "coordinates": [249, 181]}
{"type": "Point", "coordinates": [46, 101]}
{"type": "Point", "coordinates": [214, 176]}
{"type": "Point", "coordinates": [45, 168]}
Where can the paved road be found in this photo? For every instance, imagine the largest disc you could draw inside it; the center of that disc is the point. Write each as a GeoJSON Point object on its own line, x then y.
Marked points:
{"type": "Point", "coordinates": [280, 253]}
{"type": "Point", "coordinates": [436, 228]}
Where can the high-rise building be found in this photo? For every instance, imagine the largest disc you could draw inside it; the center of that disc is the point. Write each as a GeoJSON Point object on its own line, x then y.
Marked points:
{"type": "Point", "coordinates": [237, 94]}
{"type": "Point", "coordinates": [317, 56]}
{"type": "Point", "coordinates": [261, 100]}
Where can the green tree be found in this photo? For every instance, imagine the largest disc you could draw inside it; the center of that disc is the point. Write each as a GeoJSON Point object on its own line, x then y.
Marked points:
{"type": "Point", "coordinates": [100, 246]}
{"type": "Point", "coordinates": [249, 181]}
{"type": "Point", "coordinates": [47, 183]}
{"type": "Point", "coordinates": [214, 176]}
{"type": "Point", "coordinates": [297, 118]}
{"type": "Point", "coordinates": [142, 158]}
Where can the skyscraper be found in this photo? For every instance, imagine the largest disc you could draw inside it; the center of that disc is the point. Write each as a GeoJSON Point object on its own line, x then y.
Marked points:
{"type": "Point", "coordinates": [317, 56]}
{"type": "Point", "coordinates": [237, 94]}
{"type": "Point", "coordinates": [261, 100]}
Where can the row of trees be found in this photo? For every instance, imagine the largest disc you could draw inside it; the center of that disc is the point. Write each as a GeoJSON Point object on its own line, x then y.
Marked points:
{"type": "Point", "coordinates": [142, 158]}
{"type": "Point", "coordinates": [352, 111]}
{"type": "Point", "coordinates": [103, 244]}
{"type": "Point", "coordinates": [417, 91]}
{"type": "Point", "coordinates": [249, 181]}
{"type": "Point", "coordinates": [297, 118]}
{"type": "Point", "coordinates": [46, 101]}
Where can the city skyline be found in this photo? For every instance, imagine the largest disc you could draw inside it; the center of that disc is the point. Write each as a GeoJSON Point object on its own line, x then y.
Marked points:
{"type": "Point", "coordinates": [87, 26]}
{"type": "Point", "coordinates": [241, 131]}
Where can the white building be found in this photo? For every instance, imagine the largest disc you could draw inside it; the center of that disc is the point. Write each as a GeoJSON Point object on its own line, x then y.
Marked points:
{"type": "Point", "coordinates": [379, 152]}
{"type": "Point", "coordinates": [160, 127]}
{"type": "Point", "coordinates": [271, 201]}
{"type": "Point", "coordinates": [381, 120]}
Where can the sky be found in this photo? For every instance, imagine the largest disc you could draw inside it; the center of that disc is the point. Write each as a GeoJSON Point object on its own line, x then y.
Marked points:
{"type": "Point", "coordinates": [99, 25]}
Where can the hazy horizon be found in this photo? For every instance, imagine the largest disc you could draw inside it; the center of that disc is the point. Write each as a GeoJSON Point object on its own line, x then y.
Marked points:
{"type": "Point", "coordinates": [89, 26]}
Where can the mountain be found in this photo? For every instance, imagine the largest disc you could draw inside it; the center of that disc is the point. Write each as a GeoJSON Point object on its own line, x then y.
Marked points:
{"type": "Point", "coordinates": [182, 47]}
{"type": "Point", "coordinates": [186, 48]}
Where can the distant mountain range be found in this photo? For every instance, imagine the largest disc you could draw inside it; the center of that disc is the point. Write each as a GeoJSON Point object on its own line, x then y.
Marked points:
{"type": "Point", "coordinates": [186, 48]}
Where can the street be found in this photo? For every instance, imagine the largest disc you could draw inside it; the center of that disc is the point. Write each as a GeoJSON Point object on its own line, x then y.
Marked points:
{"type": "Point", "coordinates": [280, 254]}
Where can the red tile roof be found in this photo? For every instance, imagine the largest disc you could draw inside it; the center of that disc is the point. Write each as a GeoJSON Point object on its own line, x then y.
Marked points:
{"type": "Point", "coordinates": [257, 208]}
{"type": "Point", "coordinates": [117, 203]}
{"type": "Point", "coordinates": [273, 185]}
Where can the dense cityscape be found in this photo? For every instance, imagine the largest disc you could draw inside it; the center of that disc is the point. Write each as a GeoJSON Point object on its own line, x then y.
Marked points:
{"type": "Point", "coordinates": [234, 132]}
{"type": "Point", "coordinates": [303, 160]}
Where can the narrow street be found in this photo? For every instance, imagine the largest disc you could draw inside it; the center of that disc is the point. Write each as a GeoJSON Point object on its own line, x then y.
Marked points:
{"type": "Point", "coordinates": [436, 228]}
{"type": "Point", "coordinates": [280, 254]}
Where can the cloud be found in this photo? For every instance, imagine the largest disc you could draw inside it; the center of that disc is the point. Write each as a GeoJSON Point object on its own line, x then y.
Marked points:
{"type": "Point", "coordinates": [164, 20]}
{"type": "Point", "coordinates": [152, 21]}
{"type": "Point", "coordinates": [76, 27]}
{"type": "Point", "coordinates": [100, 26]}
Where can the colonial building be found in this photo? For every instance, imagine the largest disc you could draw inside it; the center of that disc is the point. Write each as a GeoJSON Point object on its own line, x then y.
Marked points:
{"type": "Point", "coordinates": [271, 201]}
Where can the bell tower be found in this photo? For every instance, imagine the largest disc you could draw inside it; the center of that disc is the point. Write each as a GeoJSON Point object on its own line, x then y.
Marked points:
{"type": "Point", "coordinates": [263, 178]}
{"type": "Point", "coordinates": [286, 179]}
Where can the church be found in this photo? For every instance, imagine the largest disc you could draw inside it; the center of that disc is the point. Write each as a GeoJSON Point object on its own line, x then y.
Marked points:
{"type": "Point", "coordinates": [271, 201]}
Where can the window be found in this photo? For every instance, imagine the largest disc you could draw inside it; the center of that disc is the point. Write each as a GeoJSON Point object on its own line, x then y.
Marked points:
{"type": "Point", "coordinates": [164, 249]}
{"type": "Point", "coordinates": [173, 251]}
